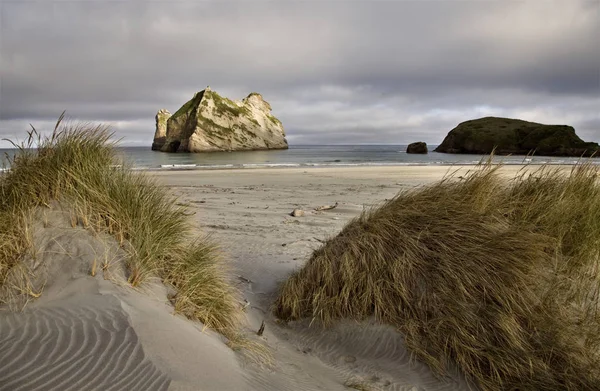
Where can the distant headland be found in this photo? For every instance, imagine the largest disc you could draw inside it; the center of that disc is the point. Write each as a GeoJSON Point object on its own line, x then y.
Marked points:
{"type": "Point", "coordinates": [505, 136]}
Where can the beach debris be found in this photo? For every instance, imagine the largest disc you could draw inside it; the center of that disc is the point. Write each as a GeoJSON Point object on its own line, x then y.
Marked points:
{"type": "Point", "coordinates": [297, 213]}
{"type": "Point", "coordinates": [261, 329]}
{"type": "Point", "coordinates": [361, 385]}
{"type": "Point", "coordinates": [93, 271]}
{"type": "Point", "coordinates": [326, 207]}
{"type": "Point", "coordinates": [309, 240]}
{"type": "Point", "coordinates": [246, 305]}
{"type": "Point", "coordinates": [217, 226]}
{"type": "Point", "coordinates": [244, 279]}
{"type": "Point", "coordinates": [318, 240]}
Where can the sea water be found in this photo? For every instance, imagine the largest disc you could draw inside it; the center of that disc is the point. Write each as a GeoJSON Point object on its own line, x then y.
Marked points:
{"type": "Point", "coordinates": [143, 158]}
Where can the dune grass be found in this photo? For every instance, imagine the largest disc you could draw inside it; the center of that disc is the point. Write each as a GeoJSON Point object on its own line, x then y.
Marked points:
{"type": "Point", "coordinates": [498, 277]}
{"type": "Point", "coordinates": [77, 166]}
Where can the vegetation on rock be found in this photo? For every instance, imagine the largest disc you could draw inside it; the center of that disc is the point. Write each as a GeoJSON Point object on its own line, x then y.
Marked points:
{"type": "Point", "coordinates": [187, 106]}
{"type": "Point", "coordinates": [225, 105]}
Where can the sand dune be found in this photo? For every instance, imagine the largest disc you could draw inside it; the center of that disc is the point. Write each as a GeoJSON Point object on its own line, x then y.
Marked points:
{"type": "Point", "coordinates": [96, 332]}
{"type": "Point", "coordinates": [248, 211]}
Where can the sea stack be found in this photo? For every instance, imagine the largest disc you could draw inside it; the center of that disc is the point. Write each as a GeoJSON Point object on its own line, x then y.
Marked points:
{"type": "Point", "coordinates": [505, 136]}
{"type": "Point", "coordinates": [210, 122]}
{"type": "Point", "coordinates": [418, 147]}
{"type": "Point", "coordinates": [160, 135]}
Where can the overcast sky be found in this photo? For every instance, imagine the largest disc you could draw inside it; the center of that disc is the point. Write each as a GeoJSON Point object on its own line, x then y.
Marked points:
{"type": "Point", "coordinates": [335, 72]}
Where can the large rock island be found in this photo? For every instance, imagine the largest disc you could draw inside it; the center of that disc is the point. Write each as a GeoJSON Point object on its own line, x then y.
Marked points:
{"type": "Point", "coordinates": [210, 122]}
{"type": "Point", "coordinates": [517, 137]}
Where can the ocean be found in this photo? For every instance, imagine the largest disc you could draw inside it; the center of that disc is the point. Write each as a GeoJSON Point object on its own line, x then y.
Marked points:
{"type": "Point", "coordinates": [143, 158]}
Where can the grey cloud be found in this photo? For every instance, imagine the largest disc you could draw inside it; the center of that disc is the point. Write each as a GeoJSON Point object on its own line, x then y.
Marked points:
{"type": "Point", "coordinates": [335, 72]}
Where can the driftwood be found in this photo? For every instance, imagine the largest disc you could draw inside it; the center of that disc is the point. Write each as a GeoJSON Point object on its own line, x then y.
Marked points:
{"type": "Point", "coordinates": [261, 330]}
{"type": "Point", "coordinates": [326, 207]}
{"type": "Point", "coordinates": [246, 305]}
{"type": "Point", "coordinates": [244, 279]}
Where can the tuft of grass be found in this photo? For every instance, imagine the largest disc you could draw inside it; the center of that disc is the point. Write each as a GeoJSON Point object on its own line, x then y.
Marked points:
{"type": "Point", "coordinates": [193, 270]}
{"type": "Point", "coordinates": [77, 167]}
{"type": "Point", "coordinates": [94, 268]}
{"type": "Point", "coordinates": [358, 385]}
{"type": "Point", "coordinates": [500, 278]}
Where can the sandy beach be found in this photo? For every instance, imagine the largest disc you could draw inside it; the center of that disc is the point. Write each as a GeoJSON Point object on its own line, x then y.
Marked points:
{"type": "Point", "coordinates": [248, 213]}
{"type": "Point", "coordinates": [95, 332]}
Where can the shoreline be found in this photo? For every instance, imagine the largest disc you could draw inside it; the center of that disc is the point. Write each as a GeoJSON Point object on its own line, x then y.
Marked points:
{"type": "Point", "coordinates": [315, 167]}
{"type": "Point", "coordinates": [303, 166]}
{"type": "Point", "coordinates": [412, 175]}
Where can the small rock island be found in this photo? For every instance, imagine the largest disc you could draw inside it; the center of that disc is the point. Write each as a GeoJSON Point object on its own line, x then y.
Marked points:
{"type": "Point", "coordinates": [418, 147]}
{"type": "Point", "coordinates": [516, 137]}
{"type": "Point", "coordinates": [210, 123]}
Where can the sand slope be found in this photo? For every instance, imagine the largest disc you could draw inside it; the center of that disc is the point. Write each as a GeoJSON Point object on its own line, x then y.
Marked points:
{"type": "Point", "coordinates": [97, 333]}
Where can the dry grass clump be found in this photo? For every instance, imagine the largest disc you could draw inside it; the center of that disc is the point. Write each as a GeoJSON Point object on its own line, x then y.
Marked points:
{"type": "Point", "coordinates": [78, 167]}
{"type": "Point", "coordinates": [500, 278]}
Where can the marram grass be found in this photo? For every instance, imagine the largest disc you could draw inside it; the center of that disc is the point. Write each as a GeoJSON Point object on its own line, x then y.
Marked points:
{"type": "Point", "coordinates": [77, 167]}
{"type": "Point", "coordinates": [498, 277]}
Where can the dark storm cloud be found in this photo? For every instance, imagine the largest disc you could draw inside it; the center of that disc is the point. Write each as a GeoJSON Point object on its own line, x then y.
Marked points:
{"type": "Point", "coordinates": [334, 72]}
